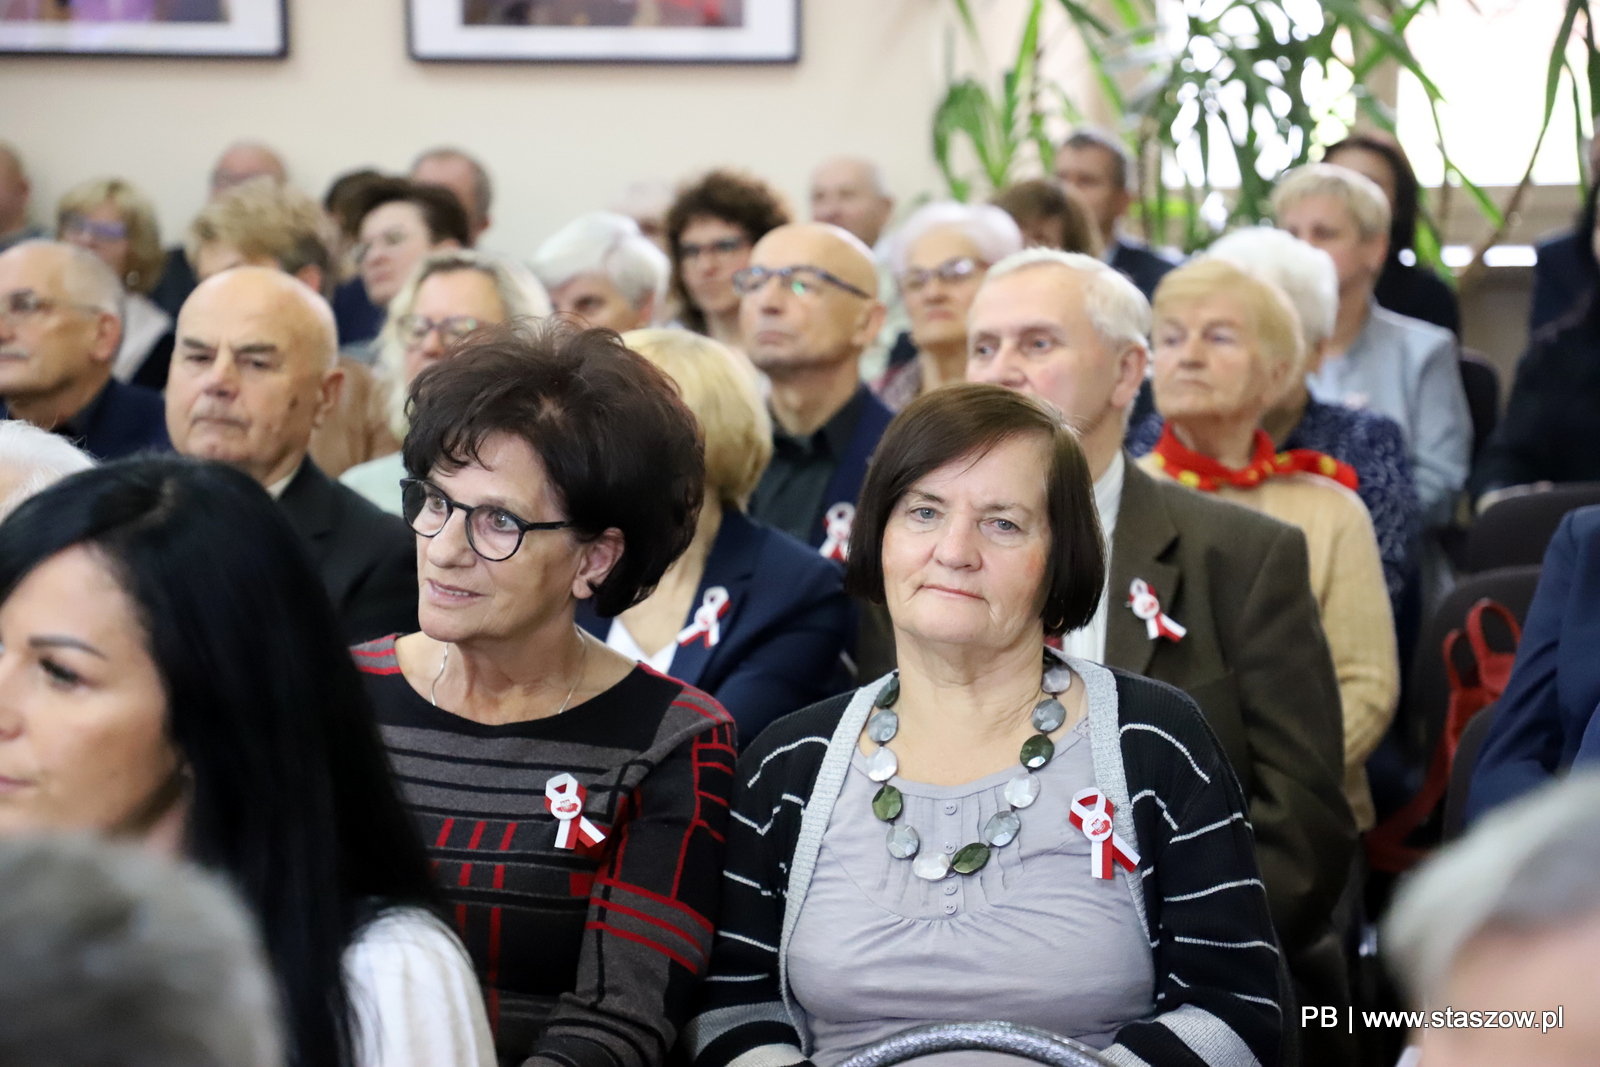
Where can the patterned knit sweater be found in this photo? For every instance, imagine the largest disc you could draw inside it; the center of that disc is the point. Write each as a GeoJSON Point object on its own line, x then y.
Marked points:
{"type": "Point", "coordinates": [1219, 980]}
{"type": "Point", "coordinates": [589, 956]}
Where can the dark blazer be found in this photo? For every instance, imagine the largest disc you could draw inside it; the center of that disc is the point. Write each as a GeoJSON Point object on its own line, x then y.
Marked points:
{"type": "Point", "coordinates": [1562, 276]}
{"type": "Point", "coordinates": [845, 485]}
{"type": "Point", "coordinates": [779, 639]}
{"type": "Point", "coordinates": [1142, 266]}
{"type": "Point", "coordinates": [1544, 723]}
{"type": "Point", "coordinates": [367, 558]}
{"type": "Point", "coordinates": [120, 421]}
{"type": "Point", "coordinates": [1256, 661]}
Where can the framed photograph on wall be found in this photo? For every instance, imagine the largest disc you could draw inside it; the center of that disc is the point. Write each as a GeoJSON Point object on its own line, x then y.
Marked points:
{"type": "Point", "coordinates": [605, 31]}
{"type": "Point", "coordinates": [246, 29]}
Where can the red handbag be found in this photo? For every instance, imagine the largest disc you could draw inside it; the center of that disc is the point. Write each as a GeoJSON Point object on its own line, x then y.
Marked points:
{"type": "Point", "coordinates": [1474, 685]}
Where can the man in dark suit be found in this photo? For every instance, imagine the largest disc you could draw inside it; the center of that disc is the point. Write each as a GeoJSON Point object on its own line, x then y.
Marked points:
{"type": "Point", "coordinates": [1205, 595]}
{"type": "Point", "coordinates": [254, 372]}
{"type": "Point", "coordinates": [1096, 167]}
{"type": "Point", "coordinates": [59, 330]}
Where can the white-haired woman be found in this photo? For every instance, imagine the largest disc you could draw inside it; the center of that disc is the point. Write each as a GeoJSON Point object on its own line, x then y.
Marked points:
{"type": "Point", "coordinates": [31, 460]}
{"type": "Point", "coordinates": [600, 270]}
{"type": "Point", "coordinates": [449, 294]}
{"type": "Point", "coordinates": [939, 258]}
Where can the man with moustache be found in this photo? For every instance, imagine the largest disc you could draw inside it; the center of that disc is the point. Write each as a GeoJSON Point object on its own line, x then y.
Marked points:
{"type": "Point", "coordinates": [255, 371]}
{"type": "Point", "coordinates": [808, 307]}
{"type": "Point", "coordinates": [1207, 596]}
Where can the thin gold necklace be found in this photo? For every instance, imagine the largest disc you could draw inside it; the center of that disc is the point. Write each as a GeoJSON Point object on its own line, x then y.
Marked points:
{"type": "Point", "coordinates": [583, 660]}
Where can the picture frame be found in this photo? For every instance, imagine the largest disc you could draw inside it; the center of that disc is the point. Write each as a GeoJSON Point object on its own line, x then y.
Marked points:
{"type": "Point", "coordinates": [603, 31]}
{"type": "Point", "coordinates": [170, 29]}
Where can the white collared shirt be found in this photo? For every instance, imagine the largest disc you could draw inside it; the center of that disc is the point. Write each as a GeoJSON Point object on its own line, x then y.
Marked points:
{"type": "Point", "coordinates": [1090, 642]}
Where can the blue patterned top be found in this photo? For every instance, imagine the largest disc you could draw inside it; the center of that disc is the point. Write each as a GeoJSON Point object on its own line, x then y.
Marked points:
{"type": "Point", "coordinates": [1371, 443]}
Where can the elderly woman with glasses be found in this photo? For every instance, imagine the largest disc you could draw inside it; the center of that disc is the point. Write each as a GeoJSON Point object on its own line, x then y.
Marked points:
{"type": "Point", "coordinates": [994, 831]}
{"type": "Point", "coordinates": [449, 295]}
{"type": "Point", "coordinates": [574, 802]}
{"type": "Point", "coordinates": [940, 257]}
{"type": "Point", "coordinates": [1224, 345]}
{"type": "Point", "coordinates": [115, 221]}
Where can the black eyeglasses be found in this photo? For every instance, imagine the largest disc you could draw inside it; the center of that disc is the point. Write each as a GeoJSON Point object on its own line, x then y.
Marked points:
{"type": "Point", "coordinates": [802, 280]}
{"type": "Point", "coordinates": [951, 270]}
{"type": "Point", "coordinates": [494, 533]}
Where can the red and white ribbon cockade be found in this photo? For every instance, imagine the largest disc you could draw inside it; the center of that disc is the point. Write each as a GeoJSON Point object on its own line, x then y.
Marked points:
{"type": "Point", "coordinates": [836, 531]}
{"type": "Point", "coordinates": [1091, 813]}
{"type": "Point", "coordinates": [1157, 623]}
{"type": "Point", "coordinates": [563, 798]}
{"type": "Point", "coordinates": [704, 626]}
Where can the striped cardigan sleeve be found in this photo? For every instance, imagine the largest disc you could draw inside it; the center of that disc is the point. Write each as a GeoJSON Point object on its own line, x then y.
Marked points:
{"type": "Point", "coordinates": [1219, 993]}
{"type": "Point", "coordinates": [652, 910]}
{"type": "Point", "coordinates": [742, 1018]}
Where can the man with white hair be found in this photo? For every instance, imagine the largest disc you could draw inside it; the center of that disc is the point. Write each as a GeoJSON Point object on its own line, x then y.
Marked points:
{"type": "Point", "coordinates": [32, 460]}
{"type": "Point", "coordinates": [60, 326]}
{"type": "Point", "coordinates": [1401, 367]}
{"type": "Point", "coordinates": [1496, 939]}
{"type": "Point", "coordinates": [255, 371]}
{"type": "Point", "coordinates": [601, 271]}
{"type": "Point", "coordinates": [1207, 596]}
{"type": "Point", "coordinates": [1371, 443]}
{"type": "Point", "coordinates": [850, 193]}
{"type": "Point", "coordinates": [464, 176]}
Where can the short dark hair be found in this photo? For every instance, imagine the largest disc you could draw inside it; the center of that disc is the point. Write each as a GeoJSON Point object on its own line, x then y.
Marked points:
{"type": "Point", "coordinates": [618, 445]}
{"type": "Point", "coordinates": [291, 792]}
{"type": "Point", "coordinates": [346, 196]}
{"type": "Point", "coordinates": [1040, 198]}
{"type": "Point", "coordinates": [441, 212]}
{"type": "Point", "coordinates": [1121, 162]}
{"type": "Point", "coordinates": [968, 420]}
{"type": "Point", "coordinates": [1407, 202]}
{"type": "Point", "coordinates": [741, 200]}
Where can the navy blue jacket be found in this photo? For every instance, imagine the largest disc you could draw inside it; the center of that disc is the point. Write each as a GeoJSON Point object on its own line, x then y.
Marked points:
{"type": "Point", "coordinates": [779, 638]}
{"type": "Point", "coordinates": [120, 421]}
{"type": "Point", "coordinates": [1545, 722]}
{"type": "Point", "coordinates": [1562, 276]}
{"type": "Point", "coordinates": [1142, 266]}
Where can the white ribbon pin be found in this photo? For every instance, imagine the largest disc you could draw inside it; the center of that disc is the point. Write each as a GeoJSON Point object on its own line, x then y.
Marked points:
{"type": "Point", "coordinates": [836, 530]}
{"type": "Point", "coordinates": [563, 798]}
{"type": "Point", "coordinates": [704, 625]}
{"type": "Point", "coordinates": [1156, 622]}
{"type": "Point", "coordinates": [1091, 813]}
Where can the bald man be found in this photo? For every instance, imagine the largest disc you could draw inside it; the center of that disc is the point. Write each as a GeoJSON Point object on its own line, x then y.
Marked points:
{"type": "Point", "coordinates": [808, 307]}
{"type": "Point", "coordinates": [850, 193]}
{"type": "Point", "coordinates": [244, 160]}
{"type": "Point", "coordinates": [255, 371]}
{"type": "Point", "coordinates": [60, 326]}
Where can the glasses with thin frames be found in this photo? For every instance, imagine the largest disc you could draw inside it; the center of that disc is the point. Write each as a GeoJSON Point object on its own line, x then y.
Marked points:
{"type": "Point", "coordinates": [414, 329]}
{"type": "Point", "coordinates": [94, 229]}
{"type": "Point", "coordinates": [802, 280]}
{"type": "Point", "coordinates": [950, 271]}
{"type": "Point", "coordinates": [25, 303]}
{"type": "Point", "coordinates": [493, 533]}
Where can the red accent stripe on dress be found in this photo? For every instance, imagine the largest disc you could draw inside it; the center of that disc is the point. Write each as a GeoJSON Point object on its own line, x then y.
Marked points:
{"type": "Point", "coordinates": [444, 833]}
{"type": "Point", "coordinates": [652, 920]}
{"type": "Point", "coordinates": [477, 834]}
{"type": "Point", "coordinates": [658, 898]}
{"type": "Point", "coordinates": [645, 941]}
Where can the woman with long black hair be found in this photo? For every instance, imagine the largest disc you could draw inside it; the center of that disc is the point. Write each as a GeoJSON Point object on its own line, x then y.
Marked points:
{"type": "Point", "coordinates": [170, 672]}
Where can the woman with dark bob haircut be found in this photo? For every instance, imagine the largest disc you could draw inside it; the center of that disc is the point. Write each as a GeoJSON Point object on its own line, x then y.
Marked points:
{"type": "Point", "coordinates": [573, 802]}
{"type": "Point", "coordinates": [993, 831]}
{"type": "Point", "coordinates": [172, 674]}
{"type": "Point", "coordinates": [712, 227]}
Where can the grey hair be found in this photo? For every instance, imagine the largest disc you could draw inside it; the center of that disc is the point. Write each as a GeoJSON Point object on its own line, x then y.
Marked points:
{"type": "Point", "coordinates": [482, 185]}
{"type": "Point", "coordinates": [876, 180]}
{"type": "Point", "coordinates": [1306, 275]}
{"type": "Point", "coordinates": [87, 279]}
{"type": "Point", "coordinates": [993, 231]}
{"type": "Point", "coordinates": [1116, 308]}
{"type": "Point", "coordinates": [38, 458]}
{"type": "Point", "coordinates": [1121, 161]}
{"type": "Point", "coordinates": [1529, 866]}
{"type": "Point", "coordinates": [520, 294]}
{"type": "Point", "coordinates": [109, 954]}
{"type": "Point", "coordinates": [1361, 196]}
{"type": "Point", "coordinates": [603, 242]}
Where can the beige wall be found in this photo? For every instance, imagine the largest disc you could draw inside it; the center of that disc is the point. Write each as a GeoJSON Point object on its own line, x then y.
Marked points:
{"type": "Point", "coordinates": [559, 140]}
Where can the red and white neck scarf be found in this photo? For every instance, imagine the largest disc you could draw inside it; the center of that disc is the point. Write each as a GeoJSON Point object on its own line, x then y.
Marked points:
{"type": "Point", "coordinates": [1190, 468]}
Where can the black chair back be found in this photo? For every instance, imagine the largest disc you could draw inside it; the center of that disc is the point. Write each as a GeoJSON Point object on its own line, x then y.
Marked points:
{"type": "Point", "coordinates": [1482, 384]}
{"type": "Point", "coordinates": [1455, 798]}
{"type": "Point", "coordinates": [1515, 532]}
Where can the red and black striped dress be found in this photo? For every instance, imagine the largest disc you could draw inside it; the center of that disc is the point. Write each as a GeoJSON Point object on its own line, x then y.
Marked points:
{"type": "Point", "coordinates": [588, 956]}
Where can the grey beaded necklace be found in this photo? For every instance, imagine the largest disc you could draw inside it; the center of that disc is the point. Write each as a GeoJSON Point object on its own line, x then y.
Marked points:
{"type": "Point", "coordinates": [1001, 828]}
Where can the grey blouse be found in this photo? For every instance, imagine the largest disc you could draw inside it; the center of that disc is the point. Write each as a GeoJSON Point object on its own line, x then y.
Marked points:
{"type": "Point", "coordinates": [1032, 938]}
